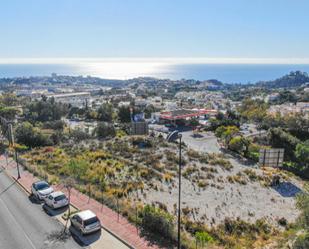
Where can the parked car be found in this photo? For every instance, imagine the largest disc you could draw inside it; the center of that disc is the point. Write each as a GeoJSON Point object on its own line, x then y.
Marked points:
{"type": "Point", "coordinates": [41, 190]}
{"type": "Point", "coordinates": [86, 222]}
{"type": "Point", "coordinates": [56, 200]}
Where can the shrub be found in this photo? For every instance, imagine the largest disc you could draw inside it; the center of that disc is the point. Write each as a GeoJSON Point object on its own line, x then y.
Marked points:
{"type": "Point", "coordinates": [251, 174]}
{"type": "Point", "coordinates": [302, 242]}
{"type": "Point", "coordinates": [104, 130]}
{"type": "Point", "coordinates": [158, 222]}
{"type": "Point", "coordinates": [283, 222]}
{"type": "Point", "coordinates": [26, 134]}
{"type": "Point", "coordinates": [240, 227]}
{"type": "Point", "coordinates": [55, 125]}
{"type": "Point", "coordinates": [202, 184]}
{"type": "Point", "coordinates": [236, 144]}
{"type": "Point", "coordinates": [203, 238]}
{"type": "Point", "coordinates": [192, 154]}
{"type": "Point", "coordinates": [79, 135]}
{"type": "Point", "coordinates": [217, 160]}
{"type": "Point", "coordinates": [120, 133]}
{"type": "Point", "coordinates": [189, 171]}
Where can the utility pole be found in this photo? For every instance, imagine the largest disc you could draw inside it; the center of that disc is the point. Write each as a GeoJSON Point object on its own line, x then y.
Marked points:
{"type": "Point", "coordinates": [171, 137]}
{"type": "Point", "coordinates": [179, 190]}
{"type": "Point", "coordinates": [11, 141]}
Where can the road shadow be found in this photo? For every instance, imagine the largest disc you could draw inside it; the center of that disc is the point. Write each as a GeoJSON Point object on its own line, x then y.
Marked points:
{"type": "Point", "coordinates": [7, 188]}
{"type": "Point", "coordinates": [54, 212]}
{"type": "Point", "coordinates": [287, 189]}
{"type": "Point", "coordinates": [84, 240]}
{"type": "Point", "coordinates": [196, 136]}
{"type": "Point", "coordinates": [58, 236]}
{"type": "Point", "coordinates": [183, 128]}
{"type": "Point", "coordinates": [34, 200]}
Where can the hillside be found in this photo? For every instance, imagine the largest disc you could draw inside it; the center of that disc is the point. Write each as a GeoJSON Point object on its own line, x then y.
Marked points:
{"type": "Point", "coordinates": [293, 79]}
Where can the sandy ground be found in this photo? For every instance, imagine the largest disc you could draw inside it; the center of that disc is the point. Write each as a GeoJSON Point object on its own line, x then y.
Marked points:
{"type": "Point", "coordinates": [212, 204]}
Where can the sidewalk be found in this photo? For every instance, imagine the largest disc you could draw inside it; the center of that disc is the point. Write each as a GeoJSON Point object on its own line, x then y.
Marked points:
{"type": "Point", "coordinates": [121, 228]}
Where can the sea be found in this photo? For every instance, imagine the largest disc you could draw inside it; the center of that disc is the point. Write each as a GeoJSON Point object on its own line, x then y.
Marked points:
{"type": "Point", "coordinates": [227, 73]}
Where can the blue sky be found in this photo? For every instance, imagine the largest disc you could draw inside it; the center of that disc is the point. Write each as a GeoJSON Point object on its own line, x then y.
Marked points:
{"type": "Point", "coordinates": [154, 28]}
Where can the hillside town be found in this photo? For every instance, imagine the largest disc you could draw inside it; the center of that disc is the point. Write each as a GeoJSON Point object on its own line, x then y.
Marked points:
{"type": "Point", "coordinates": [115, 142]}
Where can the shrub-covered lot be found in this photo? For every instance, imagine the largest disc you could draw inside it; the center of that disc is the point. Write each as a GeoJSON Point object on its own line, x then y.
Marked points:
{"type": "Point", "coordinates": [138, 175]}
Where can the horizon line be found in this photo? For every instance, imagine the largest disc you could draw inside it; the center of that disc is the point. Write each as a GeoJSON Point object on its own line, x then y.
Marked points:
{"type": "Point", "coordinates": [156, 60]}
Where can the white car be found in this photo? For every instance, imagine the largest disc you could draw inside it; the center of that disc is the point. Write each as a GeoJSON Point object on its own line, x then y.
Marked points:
{"type": "Point", "coordinates": [56, 200]}
{"type": "Point", "coordinates": [41, 189]}
{"type": "Point", "coordinates": [86, 222]}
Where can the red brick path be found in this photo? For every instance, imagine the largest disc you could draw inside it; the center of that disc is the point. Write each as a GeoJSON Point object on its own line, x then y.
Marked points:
{"type": "Point", "coordinates": [109, 219]}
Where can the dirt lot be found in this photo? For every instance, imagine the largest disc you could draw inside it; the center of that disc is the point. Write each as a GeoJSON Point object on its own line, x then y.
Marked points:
{"type": "Point", "coordinates": [238, 192]}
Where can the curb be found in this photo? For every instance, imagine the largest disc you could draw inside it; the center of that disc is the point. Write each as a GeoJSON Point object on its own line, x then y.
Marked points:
{"type": "Point", "coordinates": [15, 180]}
{"type": "Point", "coordinates": [110, 232]}
{"type": "Point", "coordinates": [28, 193]}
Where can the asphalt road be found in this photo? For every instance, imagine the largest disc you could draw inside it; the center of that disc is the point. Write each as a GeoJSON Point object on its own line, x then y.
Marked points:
{"type": "Point", "coordinates": [23, 224]}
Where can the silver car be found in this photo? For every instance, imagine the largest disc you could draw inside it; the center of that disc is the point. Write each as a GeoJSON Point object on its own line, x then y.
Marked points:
{"type": "Point", "coordinates": [86, 222]}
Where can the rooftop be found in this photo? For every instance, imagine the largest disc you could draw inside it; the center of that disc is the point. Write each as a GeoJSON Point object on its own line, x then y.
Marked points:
{"type": "Point", "coordinates": [86, 214]}
{"type": "Point", "coordinates": [185, 113]}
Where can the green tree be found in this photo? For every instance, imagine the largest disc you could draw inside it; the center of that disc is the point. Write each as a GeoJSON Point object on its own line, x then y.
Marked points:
{"type": "Point", "coordinates": [104, 130]}
{"type": "Point", "coordinates": [278, 138]}
{"type": "Point", "coordinates": [148, 110]}
{"type": "Point", "coordinates": [226, 133]}
{"type": "Point", "coordinates": [8, 113]}
{"type": "Point", "coordinates": [286, 96]}
{"type": "Point", "coordinates": [237, 144]}
{"type": "Point", "coordinates": [105, 113]}
{"type": "Point", "coordinates": [229, 133]}
{"type": "Point", "coordinates": [55, 125]}
{"type": "Point", "coordinates": [124, 114]}
{"type": "Point", "coordinates": [302, 153]}
{"type": "Point", "coordinates": [8, 99]}
{"type": "Point", "coordinates": [254, 110]}
{"type": "Point", "coordinates": [219, 131]}
{"type": "Point", "coordinates": [46, 109]}
{"type": "Point", "coordinates": [27, 135]}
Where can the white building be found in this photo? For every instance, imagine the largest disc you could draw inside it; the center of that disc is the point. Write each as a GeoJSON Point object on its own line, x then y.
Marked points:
{"type": "Point", "coordinates": [77, 99]}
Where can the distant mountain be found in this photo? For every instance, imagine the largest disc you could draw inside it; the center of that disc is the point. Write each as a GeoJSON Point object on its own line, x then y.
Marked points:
{"type": "Point", "coordinates": [215, 82]}
{"type": "Point", "coordinates": [293, 79]}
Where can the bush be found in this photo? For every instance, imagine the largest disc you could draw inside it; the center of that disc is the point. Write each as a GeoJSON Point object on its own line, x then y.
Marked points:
{"type": "Point", "coordinates": [193, 154]}
{"type": "Point", "coordinates": [279, 138]}
{"type": "Point", "coordinates": [158, 222]}
{"type": "Point", "coordinates": [79, 135]}
{"type": "Point", "coordinates": [302, 242]}
{"type": "Point", "coordinates": [240, 227]}
{"type": "Point", "coordinates": [27, 135]}
{"type": "Point", "coordinates": [105, 112]}
{"type": "Point", "coordinates": [236, 144]}
{"type": "Point", "coordinates": [302, 154]}
{"type": "Point", "coordinates": [55, 125]}
{"type": "Point", "coordinates": [203, 238]}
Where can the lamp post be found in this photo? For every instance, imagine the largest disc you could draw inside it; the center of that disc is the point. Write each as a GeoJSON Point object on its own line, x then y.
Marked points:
{"type": "Point", "coordinates": [11, 140]}
{"type": "Point", "coordinates": [171, 137]}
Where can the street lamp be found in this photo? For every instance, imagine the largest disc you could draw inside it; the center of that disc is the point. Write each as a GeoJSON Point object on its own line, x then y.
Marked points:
{"type": "Point", "coordinates": [11, 140]}
{"type": "Point", "coordinates": [171, 137]}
